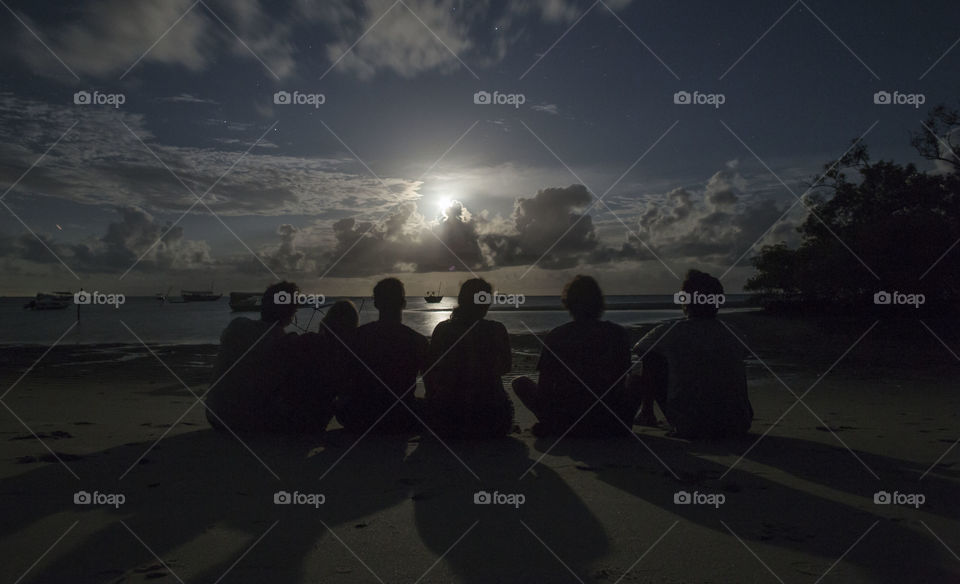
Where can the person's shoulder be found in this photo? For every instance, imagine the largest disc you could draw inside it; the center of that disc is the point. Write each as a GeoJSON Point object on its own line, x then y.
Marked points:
{"type": "Point", "coordinates": [414, 335]}
{"type": "Point", "coordinates": [562, 331]}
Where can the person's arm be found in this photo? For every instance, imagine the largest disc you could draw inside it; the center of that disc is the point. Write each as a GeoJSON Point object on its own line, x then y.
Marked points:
{"type": "Point", "coordinates": [503, 359]}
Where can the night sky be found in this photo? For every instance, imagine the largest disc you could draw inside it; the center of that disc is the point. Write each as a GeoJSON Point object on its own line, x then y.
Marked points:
{"type": "Point", "coordinates": [334, 143]}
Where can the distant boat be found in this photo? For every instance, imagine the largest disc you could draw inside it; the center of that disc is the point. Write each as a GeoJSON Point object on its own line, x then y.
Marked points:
{"type": "Point", "coordinates": [432, 297]}
{"type": "Point", "coordinates": [163, 296]}
{"type": "Point", "coordinates": [199, 295]}
{"type": "Point", "coordinates": [245, 301]}
{"type": "Point", "coordinates": [52, 301]}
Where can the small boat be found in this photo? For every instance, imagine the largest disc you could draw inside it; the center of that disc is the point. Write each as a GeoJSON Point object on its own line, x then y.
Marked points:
{"type": "Point", "coordinates": [245, 301]}
{"type": "Point", "coordinates": [199, 295]}
{"type": "Point", "coordinates": [52, 301]}
{"type": "Point", "coordinates": [432, 297]}
{"type": "Point", "coordinates": [163, 296]}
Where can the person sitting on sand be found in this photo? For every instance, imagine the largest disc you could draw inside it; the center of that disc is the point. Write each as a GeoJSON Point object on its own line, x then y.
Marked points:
{"type": "Point", "coordinates": [385, 360]}
{"type": "Point", "coordinates": [582, 361]}
{"type": "Point", "coordinates": [468, 355]}
{"type": "Point", "coordinates": [694, 370]}
{"type": "Point", "coordinates": [261, 383]}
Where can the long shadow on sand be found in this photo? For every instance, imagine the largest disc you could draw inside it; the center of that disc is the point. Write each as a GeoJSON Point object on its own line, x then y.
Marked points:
{"type": "Point", "coordinates": [812, 512]}
{"type": "Point", "coordinates": [201, 502]}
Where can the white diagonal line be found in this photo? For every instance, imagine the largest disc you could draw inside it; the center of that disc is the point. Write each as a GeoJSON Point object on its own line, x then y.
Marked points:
{"type": "Point", "coordinates": [399, 400]}
{"type": "Point", "coordinates": [34, 364]}
{"type": "Point", "coordinates": [756, 42]}
{"type": "Point", "coordinates": [800, 198]}
{"type": "Point", "coordinates": [840, 40]}
{"type": "Point", "coordinates": [869, 529]}
{"type": "Point", "coordinates": [455, 56]}
{"type": "Point", "coordinates": [754, 554]}
{"type": "Point", "coordinates": [42, 242]}
{"type": "Point", "coordinates": [599, 200]}
{"type": "Point", "coordinates": [545, 53]}
{"type": "Point", "coordinates": [799, 399]}
{"type": "Point", "coordinates": [554, 554]}
{"type": "Point", "coordinates": [936, 336]}
{"type": "Point", "coordinates": [247, 551]}
{"type": "Point", "coordinates": [29, 429]}
{"type": "Point", "coordinates": [349, 549]}
{"type": "Point", "coordinates": [356, 42]}
{"type": "Point", "coordinates": [940, 59]}
{"type": "Point", "coordinates": [144, 544]}
{"type": "Point", "coordinates": [37, 161]}
{"type": "Point", "coordinates": [649, 50]}
{"type": "Point", "coordinates": [949, 249]}
{"type": "Point", "coordinates": [160, 38]}
{"type": "Point", "coordinates": [30, 30]}
{"type": "Point", "coordinates": [195, 203]}
{"type": "Point", "coordinates": [811, 210]}
{"type": "Point", "coordinates": [949, 549]}
{"type": "Point", "coordinates": [649, 549]}
{"type": "Point", "coordinates": [236, 36]}
{"type": "Point", "coordinates": [373, 224]}
{"type": "Point", "coordinates": [212, 385]}
{"type": "Point", "coordinates": [53, 545]}
{"type": "Point", "coordinates": [207, 207]}
{"type": "Point", "coordinates": [447, 151]}
{"type": "Point", "coordinates": [599, 400]}
{"type": "Point", "coordinates": [444, 554]}
{"type": "Point", "coordinates": [937, 461]}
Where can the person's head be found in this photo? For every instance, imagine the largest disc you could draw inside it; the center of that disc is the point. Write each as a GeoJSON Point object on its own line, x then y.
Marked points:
{"type": "Point", "coordinates": [583, 298]}
{"type": "Point", "coordinates": [473, 301]}
{"type": "Point", "coordinates": [389, 296]}
{"type": "Point", "coordinates": [279, 303]}
{"type": "Point", "coordinates": [341, 317]}
{"type": "Point", "coordinates": [698, 284]}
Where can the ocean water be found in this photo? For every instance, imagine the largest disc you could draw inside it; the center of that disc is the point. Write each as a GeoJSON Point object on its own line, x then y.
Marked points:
{"type": "Point", "coordinates": [201, 322]}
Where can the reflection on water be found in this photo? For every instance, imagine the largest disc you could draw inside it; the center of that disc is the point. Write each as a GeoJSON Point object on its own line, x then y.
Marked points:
{"type": "Point", "coordinates": [202, 322]}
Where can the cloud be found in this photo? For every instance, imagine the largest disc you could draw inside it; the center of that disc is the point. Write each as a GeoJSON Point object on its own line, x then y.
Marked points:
{"type": "Point", "coordinates": [549, 108]}
{"type": "Point", "coordinates": [109, 36]}
{"type": "Point", "coordinates": [160, 246]}
{"type": "Point", "coordinates": [716, 224]}
{"type": "Point", "coordinates": [188, 98]}
{"type": "Point", "coordinates": [101, 163]}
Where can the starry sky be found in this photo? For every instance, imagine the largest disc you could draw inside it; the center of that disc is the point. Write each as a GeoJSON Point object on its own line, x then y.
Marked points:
{"type": "Point", "coordinates": [151, 144]}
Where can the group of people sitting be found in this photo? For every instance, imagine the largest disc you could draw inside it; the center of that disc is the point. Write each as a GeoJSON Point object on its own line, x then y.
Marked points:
{"type": "Point", "coordinates": [269, 380]}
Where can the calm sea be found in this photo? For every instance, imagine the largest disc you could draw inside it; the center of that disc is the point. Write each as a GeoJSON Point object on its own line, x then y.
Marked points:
{"type": "Point", "coordinates": [201, 322]}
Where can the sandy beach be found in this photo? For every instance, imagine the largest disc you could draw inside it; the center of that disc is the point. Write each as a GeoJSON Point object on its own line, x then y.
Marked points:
{"type": "Point", "coordinates": [173, 501]}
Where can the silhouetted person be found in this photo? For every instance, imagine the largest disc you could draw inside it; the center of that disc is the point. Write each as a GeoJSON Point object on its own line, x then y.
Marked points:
{"type": "Point", "coordinates": [468, 354]}
{"type": "Point", "coordinates": [582, 361]}
{"type": "Point", "coordinates": [387, 356]}
{"type": "Point", "coordinates": [694, 371]}
{"type": "Point", "coordinates": [266, 385]}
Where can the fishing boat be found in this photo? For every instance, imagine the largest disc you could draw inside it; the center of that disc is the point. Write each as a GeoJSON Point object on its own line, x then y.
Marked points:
{"type": "Point", "coordinates": [246, 301]}
{"type": "Point", "coordinates": [432, 297]}
{"type": "Point", "coordinates": [50, 301]}
{"type": "Point", "coordinates": [199, 295]}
